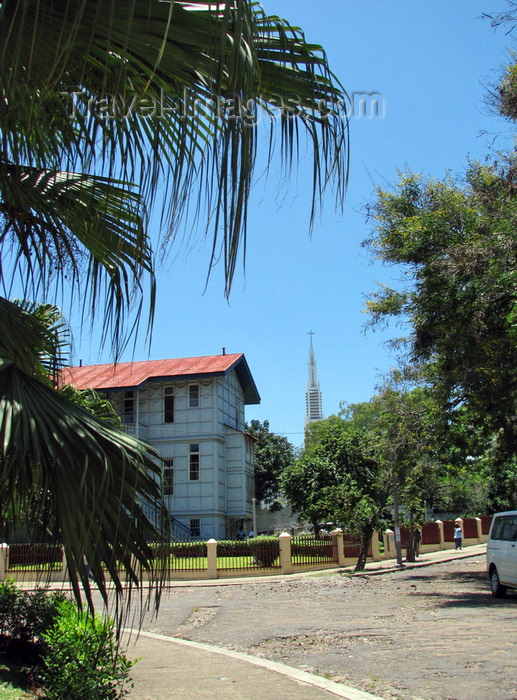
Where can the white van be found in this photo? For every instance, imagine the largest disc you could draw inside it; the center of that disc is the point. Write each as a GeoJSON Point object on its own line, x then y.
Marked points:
{"type": "Point", "coordinates": [501, 553]}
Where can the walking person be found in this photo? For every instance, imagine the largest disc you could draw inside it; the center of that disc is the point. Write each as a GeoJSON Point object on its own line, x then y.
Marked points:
{"type": "Point", "coordinates": [458, 536]}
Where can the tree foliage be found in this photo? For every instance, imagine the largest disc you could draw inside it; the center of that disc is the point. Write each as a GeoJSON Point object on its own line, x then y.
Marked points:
{"type": "Point", "coordinates": [273, 454]}
{"type": "Point", "coordinates": [338, 480]}
{"type": "Point", "coordinates": [66, 473]}
{"type": "Point", "coordinates": [458, 245]}
{"type": "Point", "coordinates": [402, 423]}
{"type": "Point", "coordinates": [121, 102]}
{"type": "Point", "coordinates": [455, 240]}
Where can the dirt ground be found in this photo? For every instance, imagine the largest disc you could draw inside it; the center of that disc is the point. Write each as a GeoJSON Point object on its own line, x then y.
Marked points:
{"type": "Point", "coordinates": [434, 632]}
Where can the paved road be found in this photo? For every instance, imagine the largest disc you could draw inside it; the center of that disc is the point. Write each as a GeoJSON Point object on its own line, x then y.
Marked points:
{"type": "Point", "coordinates": [422, 632]}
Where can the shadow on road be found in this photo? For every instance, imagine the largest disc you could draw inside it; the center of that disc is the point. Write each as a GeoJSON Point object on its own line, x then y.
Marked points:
{"type": "Point", "coordinates": [476, 593]}
{"type": "Point", "coordinates": [461, 577]}
{"type": "Point", "coordinates": [481, 599]}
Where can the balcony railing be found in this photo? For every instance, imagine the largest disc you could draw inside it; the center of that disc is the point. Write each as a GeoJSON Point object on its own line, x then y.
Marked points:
{"type": "Point", "coordinates": [136, 430]}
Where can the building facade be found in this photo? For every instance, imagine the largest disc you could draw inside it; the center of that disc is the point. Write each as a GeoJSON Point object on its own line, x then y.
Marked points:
{"type": "Point", "coordinates": [191, 410]}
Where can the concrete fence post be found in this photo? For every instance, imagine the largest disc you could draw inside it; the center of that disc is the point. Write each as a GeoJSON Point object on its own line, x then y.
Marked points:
{"type": "Point", "coordinates": [440, 530]}
{"type": "Point", "coordinates": [211, 556]}
{"type": "Point", "coordinates": [4, 560]}
{"type": "Point", "coordinates": [66, 571]}
{"type": "Point", "coordinates": [376, 552]}
{"type": "Point", "coordinates": [339, 541]}
{"type": "Point", "coordinates": [284, 540]}
{"type": "Point", "coordinates": [62, 575]}
{"type": "Point", "coordinates": [389, 543]}
{"type": "Point", "coordinates": [479, 529]}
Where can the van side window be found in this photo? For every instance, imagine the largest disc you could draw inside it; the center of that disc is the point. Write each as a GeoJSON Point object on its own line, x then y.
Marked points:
{"type": "Point", "coordinates": [497, 529]}
{"type": "Point", "coordinates": [510, 528]}
{"type": "Point", "coordinates": [505, 528]}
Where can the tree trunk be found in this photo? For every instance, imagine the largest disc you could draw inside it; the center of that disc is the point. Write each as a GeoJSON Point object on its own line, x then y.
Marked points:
{"type": "Point", "coordinates": [411, 544]}
{"type": "Point", "coordinates": [316, 527]}
{"type": "Point", "coordinates": [366, 538]}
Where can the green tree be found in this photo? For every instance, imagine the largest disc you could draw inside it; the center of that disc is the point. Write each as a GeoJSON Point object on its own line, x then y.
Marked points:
{"type": "Point", "coordinates": [305, 484]}
{"type": "Point", "coordinates": [405, 428]}
{"type": "Point", "coordinates": [458, 246]}
{"type": "Point", "coordinates": [455, 241]}
{"type": "Point", "coordinates": [405, 445]}
{"type": "Point", "coordinates": [339, 480]}
{"type": "Point", "coordinates": [105, 105]}
{"type": "Point", "coordinates": [273, 454]}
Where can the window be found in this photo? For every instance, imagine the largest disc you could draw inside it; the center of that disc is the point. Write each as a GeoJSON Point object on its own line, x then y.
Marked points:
{"type": "Point", "coordinates": [128, 407]}
{"type": "Point", "coordinates": [250, 487]}
{"type": "Point", "coordinates": [168, 477]}
{"type": "Point", "coordinates": [194, 462]}
{"type": "Point", "coordinates": [193, 395]}
{"type": "Point", "coordinates": [168, 404]}
{"type": "Point", "coordinates": [195, 527]}
{"type": "Point", "coordinates": [505, 528]}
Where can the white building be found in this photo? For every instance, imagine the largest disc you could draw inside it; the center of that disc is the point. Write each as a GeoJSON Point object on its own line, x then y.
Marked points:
{"type": "Point", "coordinates": [191, 411]}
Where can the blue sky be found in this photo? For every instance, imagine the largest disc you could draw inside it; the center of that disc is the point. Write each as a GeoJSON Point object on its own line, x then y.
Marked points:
{"type": "Point", "coordinates": [432, 63]}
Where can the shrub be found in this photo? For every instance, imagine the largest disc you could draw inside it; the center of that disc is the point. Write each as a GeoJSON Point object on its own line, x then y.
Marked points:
{"type": "Point", "coordinates": [264, 549]}
{"type": "Point", "coordinates": [9, 596]}
{"type": "Point", "coordinates": [82, 660]}
{"type": "Point", "coordinates": [179, 550]}
{"type": "Point", "coordinates": [26, 616]}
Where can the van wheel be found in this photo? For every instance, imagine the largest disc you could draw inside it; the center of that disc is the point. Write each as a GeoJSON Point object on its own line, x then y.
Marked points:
{"type": "Point", "coordinates": [498, 591]}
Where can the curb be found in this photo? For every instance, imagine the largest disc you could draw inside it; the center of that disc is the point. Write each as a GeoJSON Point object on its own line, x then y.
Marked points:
{"type": "Point", "coordinates": [413, 565]}
{"type": "Point", "coordinates": [338, 689]}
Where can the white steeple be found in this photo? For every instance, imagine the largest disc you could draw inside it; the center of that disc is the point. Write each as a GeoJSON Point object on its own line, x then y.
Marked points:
{"type": "Point", "coordinates": [313, 410]}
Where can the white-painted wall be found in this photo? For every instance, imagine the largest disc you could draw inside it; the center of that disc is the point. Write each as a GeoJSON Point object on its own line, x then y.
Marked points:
{"type": "Point", "coordinates": [222, 496]}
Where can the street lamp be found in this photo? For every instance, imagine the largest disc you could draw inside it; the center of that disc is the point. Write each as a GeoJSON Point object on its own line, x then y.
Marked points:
{"type": "Point", "coordinates": [254, 502]}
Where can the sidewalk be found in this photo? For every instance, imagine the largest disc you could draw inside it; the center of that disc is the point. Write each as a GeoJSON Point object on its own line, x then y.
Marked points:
{"type": "Point", "coordinates": [426, 559]}
{"type": "Point", "coordinates": [176, 668]}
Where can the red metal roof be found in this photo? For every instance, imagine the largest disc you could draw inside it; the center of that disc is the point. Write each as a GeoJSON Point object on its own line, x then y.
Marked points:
{"type": "Point", "coordinates": [126, 375]}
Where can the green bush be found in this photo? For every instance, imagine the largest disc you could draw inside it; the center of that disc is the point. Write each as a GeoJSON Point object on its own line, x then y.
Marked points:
{"type": "Point", "coordinates": [264, 549]}
{"type": "Point", "coordinates": [179, 550]}
{"type": "Point", "coordinates": [25, 616]}
{"type": "Point", "coordinates": [82, 660]}
{"type": "Point", "coordinates": [9, 596]}
{"type": "Point", "coordinates": [74, 654]}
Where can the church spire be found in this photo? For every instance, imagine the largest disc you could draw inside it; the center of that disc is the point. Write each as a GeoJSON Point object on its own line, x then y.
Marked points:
{"type": "Point", "coordinates": [313, 410]}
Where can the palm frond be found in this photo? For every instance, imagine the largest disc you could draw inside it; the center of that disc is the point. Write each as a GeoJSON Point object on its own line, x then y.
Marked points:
{"type": "Point", "coordinates": [35, 337]}
{"type": "Point", "coordinates": [87, 481]}
{"type": "Point", "coordinates": [86, 230]}
{"type": "Point", "coordinates": [182, 66]}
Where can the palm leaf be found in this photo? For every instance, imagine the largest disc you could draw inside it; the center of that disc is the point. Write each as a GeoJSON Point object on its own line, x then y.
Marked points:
{"type": "Point", "coordinates": [68, 226]}
{"type": "Point", "coordinates": [75, 189]}
{"type": "Point", "coordinates": [179, 52]}
{"type": "Point", "coordinates": [34, 337]}
{"type": "Point", "coordinates": [86, 481]}
{"type": "Point", "coordinates": [64, 472]}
